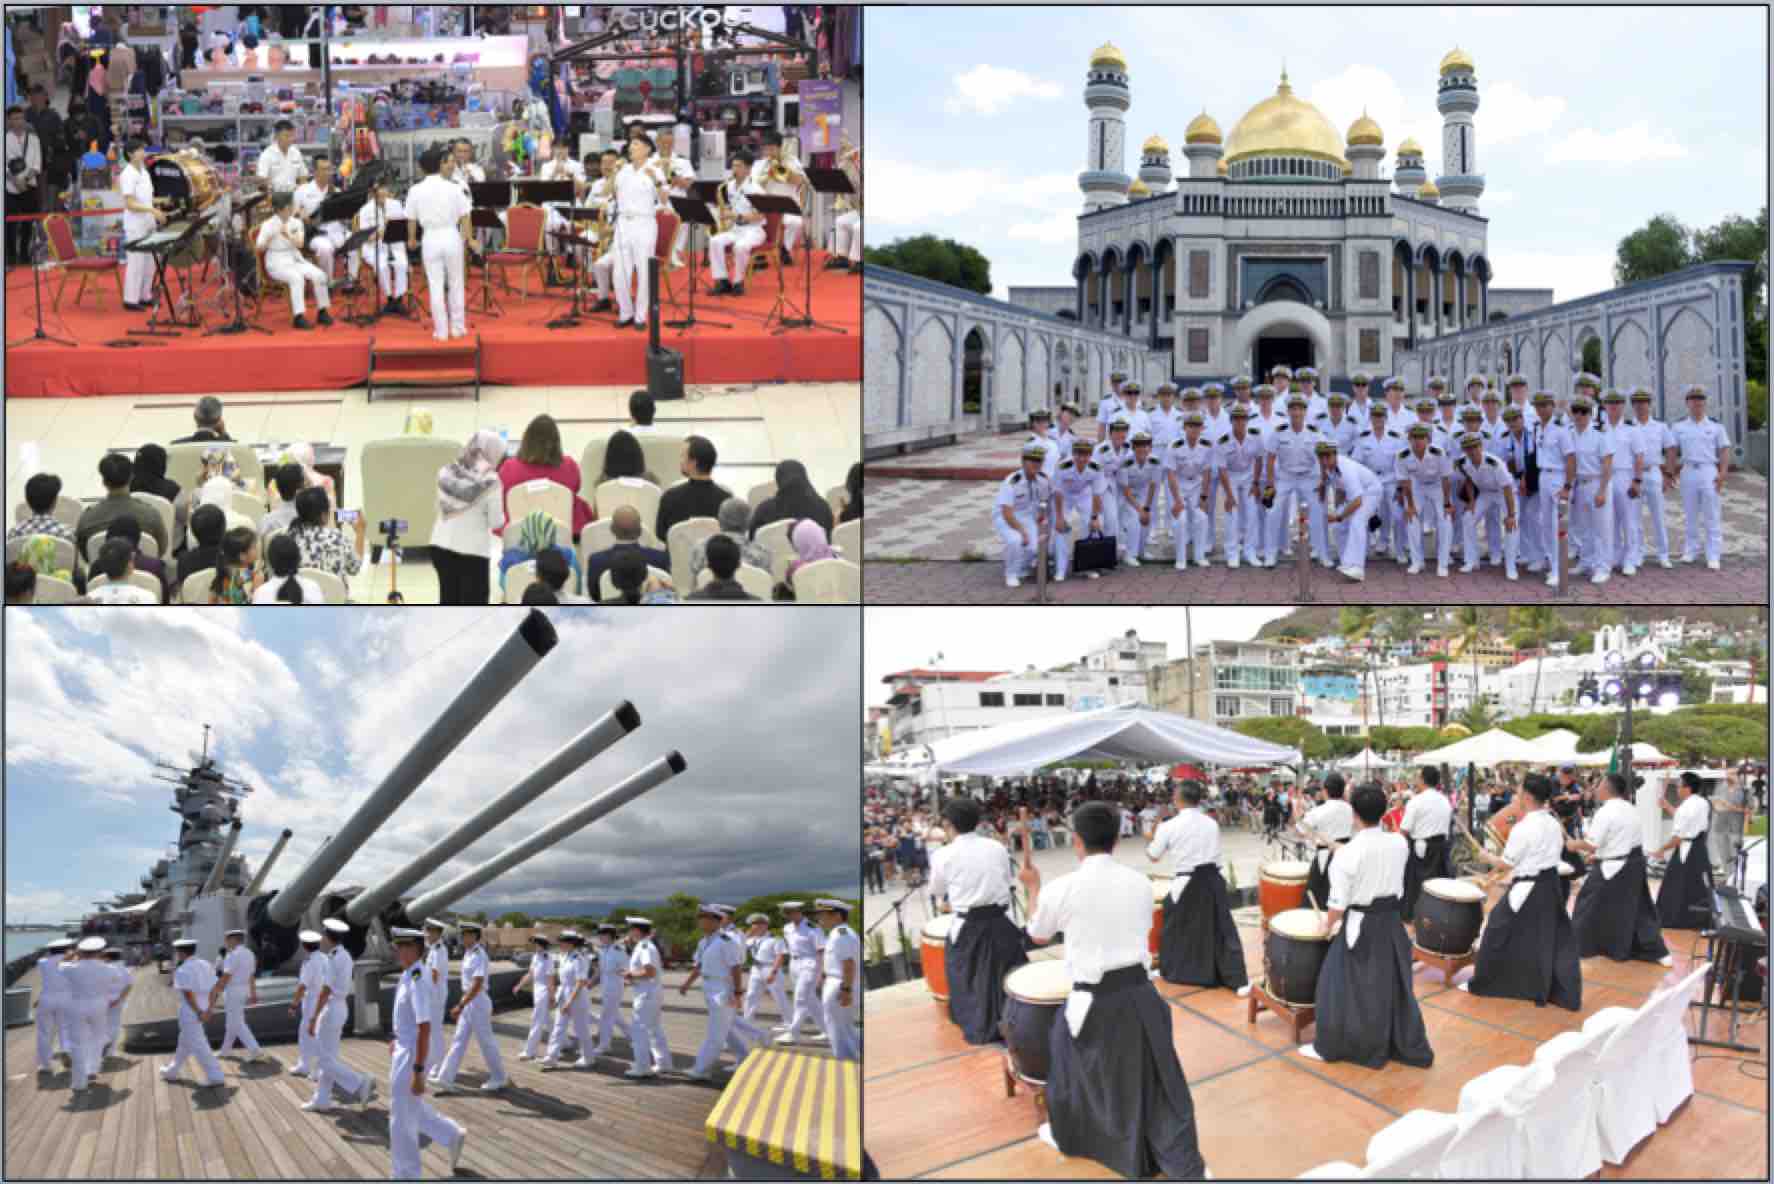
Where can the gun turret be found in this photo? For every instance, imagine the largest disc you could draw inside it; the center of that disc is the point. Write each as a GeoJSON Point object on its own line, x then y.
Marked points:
{"type": "Point", "coordinates": [258, 882]}
{"type": "Point", "coordinates": [214, 880]}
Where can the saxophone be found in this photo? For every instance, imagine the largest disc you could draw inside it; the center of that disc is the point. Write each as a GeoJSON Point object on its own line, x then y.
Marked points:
{"type": "Point", "coordinates": [724, 215]}
{"type": "Point", "coordinates": [850, 160]}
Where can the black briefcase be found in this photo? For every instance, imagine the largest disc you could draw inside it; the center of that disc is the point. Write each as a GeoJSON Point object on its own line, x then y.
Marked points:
{"type": "Point", "coordinates": [1093, 553]}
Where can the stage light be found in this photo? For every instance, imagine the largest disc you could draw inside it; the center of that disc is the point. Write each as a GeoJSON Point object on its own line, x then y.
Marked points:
{"type": "Point", "coordinates": [1613, 689]}
{"type": "Point", "coordinates": [1669, 699]}
{"type": "Point", "coordinates": [1615, 660]}
{"type": "Point", "coordinates": [1647, 661]}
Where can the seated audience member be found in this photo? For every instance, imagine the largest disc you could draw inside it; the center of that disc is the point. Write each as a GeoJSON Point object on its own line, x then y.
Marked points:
{"type": "Point", "coordinates": [237, 570]}
{"type": "Point", "coordinates": [287, 482]}
{"type": "Point", "coordinates": [208, 414]}
{"type": "Point", "coordinates": [150, 477]}
{"type": "Point", "coordinates": [208, 525]}
{"type": "Point", "coordinates": [115, 471]}
{"type": "Point", "coordinates": [21, 583]}
{"type": "Point", "coordinates": [537, 535]}
{"type": "Point", "coordinates": [628, 572]}
{"type": "Point", "coordinates": [130, 531]}
{"type": "Point", "coordinates": [324, 547]}
{"type": "Point", "coordinates": [795, 497]}
{"type": "Point", "coordinates": [469, 510]}
{"type": "Point", "coordinates": [116, 562]}
{"type": "Point", "coordinates": [303, 454]}
{"type": "Point", "coordinates": [552, 570]}
{"type": "Point", "coordinates": [218, 479]}
{"type": "Point", "coordinates": [285, 586]}
{"type": "Point", "coordinates": [625, 526]}
{"type": "Point", "coordinates": [539, 594]}
{"type": "Point", "coordinates": [539, 458]}
{"type": "Point", "coordinates": [810, 546]}
{"type": "Point", "coordinates": [698, 496]}
{"type": "Point", "coordinates": [723, 561]}
{"type": "Point", "coordinates": [734, 516]}
{"type": "Point", "coordinates": [42, 492]}
{"type": "Point", "coordinates": [853, 495]}
{"type": "Point", "coordinates": [623, 458]}
{"type": "Point", "coordinates": [640, 412]}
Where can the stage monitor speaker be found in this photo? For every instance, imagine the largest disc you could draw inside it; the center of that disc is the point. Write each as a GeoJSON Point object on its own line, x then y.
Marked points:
{"type": "Point", "coordinates": [665, 373]}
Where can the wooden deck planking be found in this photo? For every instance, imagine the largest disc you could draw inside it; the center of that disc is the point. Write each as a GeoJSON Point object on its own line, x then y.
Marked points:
{"type": "Point", "coordinates": [561, 1123]}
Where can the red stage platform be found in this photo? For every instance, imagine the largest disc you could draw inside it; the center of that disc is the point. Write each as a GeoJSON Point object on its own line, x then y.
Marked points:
{"type": "Point", "coordinates": [517, 350]}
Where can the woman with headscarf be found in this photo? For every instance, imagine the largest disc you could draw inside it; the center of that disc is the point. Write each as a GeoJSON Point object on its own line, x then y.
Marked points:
{"type": "Point", "coordinates": [795, 498]}
{"type": "Point", "coordinates": [149, 476]}
{"type": "Point", "coordinates": [469, 510]}
{"type": "Point", "coordinates": [303, 454]}
{"type": "Point", "coordinates": [623, 458]}
{"type": "Point", "coordinates": [537, 533]}
{"type": "Point", "coordinates": [853, 494]}
{"type": "Point", "coordinates": [734, 515]}
{"type": "Point", "coordinates": [810, 544]}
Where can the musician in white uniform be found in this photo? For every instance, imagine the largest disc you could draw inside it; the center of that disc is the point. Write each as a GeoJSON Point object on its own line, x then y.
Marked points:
{"type": "Point", "coordinates": [539, 977]}
{"type": "Point", "coordinates": [1425, 823]}
{"type": "Point", "coordinates": [236, 987]}
{"type": "Point", "coordinates": [602, 196]}
{"type": "Point", "coordinates": [638, 188]}
{"type": "Point", "coordinates": [1528, 950]}
{"type": "Point", "coordinates": [747, 234]}
{"type": "Point", "coordinates": [466, 172]}
{"type": "Point", "coordinates": [775, 154]}
{"type": "Point", "coordinates": [561, 167]}
{"type": "Point", "coordinates": [1703, 449]}
{"type": "Point", "coordinates": [192, 980]}
{"type": "Point", "coordinates": [140, 219]}
{"type": "Point", "coordinates": [415, 1031]}
{"type": "Point", "coordinates": [1614, 915]}
{"type": "Point", "coordinates": [282, 163]}
{"type": "Point", "coordinates": [1684, 900]}
{"type": "Point", "coordinates": [843, 965]}
{"type": "Point", "coordinates": [325, 239]}
{"type": "Point", "coordinates": [281, 239]}
{"type": "Point", "coordinates": [388, 259]}
{"type": "Point", "coordinates": [1019, 515]}
{"type": "Point", "coordinates": [473, 1014]}
{"type": "Point", "coordinates": [441, 210]}
{"type": "Point", "coordinates": [806, 946]}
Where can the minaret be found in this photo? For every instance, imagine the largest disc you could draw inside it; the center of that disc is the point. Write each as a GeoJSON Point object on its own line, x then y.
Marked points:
{"type": "Point", "coordinates": [1104, 181]}
{"type": "Point", "coordinates": [1201, 144]}
{"type": "Point", "coordinates": [1410, 174]}
{"type": "Point", "coordinates": [1155, 164]}
{"type": "Point", "coordinates": [1365, 147]}
{"type": "Point", "coordinates": [1461, 183]}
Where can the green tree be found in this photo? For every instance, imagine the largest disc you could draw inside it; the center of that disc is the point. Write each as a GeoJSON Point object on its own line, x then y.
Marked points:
{"type": "Point", "coordinates": [1583, 643]}
{"type": "Point", "coordinates": [1659, 247]}
{"type": "Point", "coordinates": [1696, 683]}
{"type": "Point", "coordinates": [1592, 354]}
{"type": "Point", "coordinates": [1356, 621]}
{"type": "Point", "coordinates": [1288, 730]}
{"type": "Point", "coordinates": [1404, 623]}
{"type": "Point", "coordinates": [515, 920]}
{"type": "Point", "coordinates": [1664, 245]}
{"type": "Point", "coordinates": [940, 259]}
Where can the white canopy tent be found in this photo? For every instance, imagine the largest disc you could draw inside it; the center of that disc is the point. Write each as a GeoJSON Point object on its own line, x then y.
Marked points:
{"type": "Point", "coordinates": [1642, 754]}
{"type": "Point", "coordinates": [1131, 733]}
{"type": "Point", "coordinates": [1560, 744]}
{"type": "Point", "coordinates": [1367, 758]}
{"type": "Point", "coordinates": [1494, 747]}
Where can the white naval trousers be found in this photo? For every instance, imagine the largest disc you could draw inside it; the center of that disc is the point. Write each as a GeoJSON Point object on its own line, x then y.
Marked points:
{"type": "Point", "coordinates": [1624, 521]}
{"type": "Point", "coordinates": [138, 266]}
{"type": "Point", "coordinates": [755, 990]}
{"type": "Point", "coordinates": [476, 1024]}
{"type": "Point", "coordinates": [1130, 532]}
{"type": "Point", "coordinates": [601, 271]}
{"type": "Point", "coordinates": [652, 1053]}
{"type": "Point", "coordinates": [87, 1018]}
{"type": "Point", "coordinates": [1651, 499]}
{"type": "Point", "coordinates": [1430, 516]}
{"type": "Point", "coordinates": [410, 1116]}
{"type": "Point", "coordinates": [392, 271]}
{"type": "Point", "coordinates": [333, 1069]}
{"type": "Point", "coordinates": [1019, 557]}
{"type": "Point", "coordinates": [1592, 526]}
{"type": "Point", "coordinates": [1293, 490]}
{"type": "Point", "coordinates": [193, 1043]}
{"type": "Point", "coordinates": [1490, 508]}
{"type": "Point", "coordinates": [541, 1018]}
{"type": "Point", "coordinates": [298, 274]}
{"type": "Point", "coordinates": [234, 1010]}
{"type": "Point", "coordinates": [637, 236]}
{"type": "Point", "coordinates": [577, 1017]}
{"type": "Point", "coordinates": [840, 1021]}
{"type": "Point", "coordinates": [1244, 522]}
{"type": "Point", "coordinates": [1543, 511]}
{"type": "Point", "coordinates": [720, 1025]}
{"type": "Point", "coordinates": [1700, 512]}
{"type": "Point", "coordinates": [1190, 526]}
{"type": "Point", "coordinates": [807, 1004]}
{"type": "Point", "coordinates": [610, 1013]}
{"type": "Point", "coordinates": [113, 1027]}
{"type": "Point", "coordinates": [447, 276]}
{"type": "Point", "coordinates": [847, 236]}
{"type": "Point", "coordinates": [51, 1024]}
{"type": "Point", "coordinates": [743, 240]}
{"type": "Point", "coordinates": [1348, 540]}
{"type": "Point", "coordinates": [307, 1047]}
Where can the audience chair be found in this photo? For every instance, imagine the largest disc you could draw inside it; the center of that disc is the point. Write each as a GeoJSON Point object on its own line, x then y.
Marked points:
{"type": "Point", "coordinates": [829, 581]}
{"type": "Point", "coordinates": [51, 590]}
{"type": "Point", "coordinates": [65, 555]}
{"type": "Point", "coordinates": [629, 491]}
{"type": "Point", "coordinates": [847, 540]}
{"type": "Point", "coordinates": [551, 497]}
{"type": "Point", "coordinates": [162, 507]}
{"type": "Point", "coordinates": [149, 547]}
{"type": "Point", "coordinates": [195, 588]}
{"type": "Point", "coordinates": [1562, 1140]}
{"type": "Point", "coordinates": [185, 461]}
{"type": "Point", "coordinates": [681, 540]}
{"type": "Point", "coordinates": [607, 590]}
{"type": "Point", "coordinates": [663, 455]}
{"type": "Point", "coordinates": [331, 586]}
{"type": "Point", "coordinates": [759, 493]}
{"type": "Point", "coordinates": [519, 577]}
{"type": "Point", "coordinates": [67, 511]}
{"type": "Point", "coordinates": [774, 539]}
{"type": "Point", "coordinates": [1411, 1147]}
{"type": "Point", "coordinates": [140, 579]}
{"type": "Point", "coordinates": [400, 481]}
{"type": "Point", "coordinates": [754, 580]}
{"type": "Point", "coordinates": [65, 252]}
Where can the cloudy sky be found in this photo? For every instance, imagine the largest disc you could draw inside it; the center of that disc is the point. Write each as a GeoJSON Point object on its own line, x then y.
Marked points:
{"type": "Point", "coordinates": [1590, 120]}
{"type": "Point", "coordinates": [312, 708]}
{"type": "Point", "coordinates": [980, 639]}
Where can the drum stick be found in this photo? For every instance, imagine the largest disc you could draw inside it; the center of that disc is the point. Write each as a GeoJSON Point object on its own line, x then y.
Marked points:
{"type": "Point", "coordinates": [1313, 901]}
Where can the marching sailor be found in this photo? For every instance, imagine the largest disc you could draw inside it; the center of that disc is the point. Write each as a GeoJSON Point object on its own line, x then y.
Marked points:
{"type": "Point", "coordinates": [769, 962]}
{"type": "Point", "coordinates": [1328, 825]}
{"type": "Point", "coordinates": [1079, 492]}
{"type": "Point", "coordinates": [1115, 1088]}
{"type": "Point", "coordinates": [309, 977]}
{"type": "Point", "coordinates": [1704, 450]}
{"type": "Point", "coordinates": [437, 978]}
{"type": "Point", "coordinates": [1427, 817]}
{"type": "Point", "coordinates": [122, 984]}
{"type": "Point", "coordinates": [717, 963]}
{"type": "Point", "coordinates": [473, 1014]}
{"type": "Point", "coordinates": [1684, 901]}
{"type": "Point", "coordinates": [1136, 488]}
{"type": "Point", "coordinates": [89, 985]}
{"type": "Point", "coordinates": [574, 1009]}
{"type": "Point", "coordinates": [1652, 444]}
{"type": "Point", "coordinates": [192, 979]}
{"type": "Point", "coordinates": [843, 963]}
{"type": "Point", "coordinates": [742, 1034]}
{"type": "Point", "coordinates": [652, 1052]}
{"type": "Point", "coordinates": [540, 979]}
{"type": "Point", "coordinates": [409, 1114]}
{"type": "Point", "coordinates": [328, 1024]}
{"type": "Point", "coordinates": [974, 879]}
{"type": "Point", "coordinates": [1199, 944]}
{"type": "Point", "coordinates": [237, 989]}
{"type": "Point", "coordinates": [806, 943]}
{"type": "Point", "coordinates": [52, 997]}
{"type": "Point", "coordinates": [612, 960]}
{"type": "Point", "coordinates": [1528, 950]}
{"type": "Point", "coordinates": [1614, 915]}
{"type": "Point", "coordinates": [1022, 505]}
{"type": "Point", "coordinates": [1351, 495]}
{"type": "Point", "coordinates": [1425, 476]}
{"type": "Point", "coordinates": [1189, 476]}
{"type": "Point", "coordinates": [1494, 497]}
{"type": "Point", "coordinates": [1366, 1009]}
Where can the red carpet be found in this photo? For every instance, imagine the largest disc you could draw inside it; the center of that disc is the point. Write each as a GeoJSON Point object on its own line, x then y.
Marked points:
{"type": "Point", "coordinates": [517, 349]}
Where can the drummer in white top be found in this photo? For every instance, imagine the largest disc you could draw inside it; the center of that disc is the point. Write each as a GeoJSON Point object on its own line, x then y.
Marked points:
{"type": "Point", "coordinates": [1116, 1092]}
{"type": "Point", "coordinates": [1528, 950]}
{"type": "Point", "coordinates": [1199, 945]}
{"type": "Point", "coordinates": [1328, 825]}
{"type": "Point", "coordinates": [1684, 901]}
{"type": "Point", "coordinates": [975, 875]}
{"type": "Point", "coordinates": [1614, 915]}
{"type": "Point", "coordinates": [1425, 824]}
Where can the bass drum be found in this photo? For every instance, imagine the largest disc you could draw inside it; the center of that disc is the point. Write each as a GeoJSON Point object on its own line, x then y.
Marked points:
{"type": "Point", "coordinates": [186, 178]}
{"type": "Point", "coordinates": [1293, 954]}
{"type": "Point", "coordinates": [1035, 993]}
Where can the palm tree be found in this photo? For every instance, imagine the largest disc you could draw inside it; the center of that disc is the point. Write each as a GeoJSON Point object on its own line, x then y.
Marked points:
{"type": "Point", "coordinates": [1356, 621]}
{"type": "Point", "coordinates": [1531, 626]}
{"type": "Point", "coordinates": [1470, 627]}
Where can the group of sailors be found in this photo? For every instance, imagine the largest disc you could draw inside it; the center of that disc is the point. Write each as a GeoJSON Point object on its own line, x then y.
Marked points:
{"type": "Point", "coordinates": [1370, 476]}
{"type": "Point", "coordinates": [1116, 1091]}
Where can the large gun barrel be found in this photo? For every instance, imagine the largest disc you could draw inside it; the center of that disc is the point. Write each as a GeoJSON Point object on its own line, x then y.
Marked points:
{"type": "Point", "coordinates": [503, 671]}
{"type": "Point", "coordinates": [577, 752]}
{"type": "Point", "coordinates": [654, 774]}
{"type": "Point", "coordinates": [264, 871]}
{"type": "Point", "coordinates": [214, 880]}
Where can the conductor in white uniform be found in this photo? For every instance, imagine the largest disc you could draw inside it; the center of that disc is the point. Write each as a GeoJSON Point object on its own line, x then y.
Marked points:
{"type": "Point", "coordinates": [441, 210]}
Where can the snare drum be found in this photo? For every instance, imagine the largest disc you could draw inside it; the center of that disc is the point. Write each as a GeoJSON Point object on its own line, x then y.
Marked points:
{"type": "Point", "coordinates": [1034, 995]}
{"type": "Point", "coordinates": [932, 952]}
{"type": "Point", "coordinates": [1293, 954]}
{"type": "Point", "coordinates": [1449, 916]}
{"type": "Point", "coordinates": [1281, 885]}
{"type": "Point", "coordinates": [1160, 894]}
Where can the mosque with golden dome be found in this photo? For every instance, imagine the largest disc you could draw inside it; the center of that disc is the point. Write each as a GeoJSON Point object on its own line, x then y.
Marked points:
{"type": "Point", "coordinates": [1281, 240]}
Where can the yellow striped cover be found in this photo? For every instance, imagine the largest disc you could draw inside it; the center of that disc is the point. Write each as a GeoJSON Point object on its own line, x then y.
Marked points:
{"type": "Point", "coordinates": [796, 1109]}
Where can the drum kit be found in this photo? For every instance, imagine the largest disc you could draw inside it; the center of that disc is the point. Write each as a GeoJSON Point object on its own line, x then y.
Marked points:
{"type": "Point", "coordinates": [201, 230]}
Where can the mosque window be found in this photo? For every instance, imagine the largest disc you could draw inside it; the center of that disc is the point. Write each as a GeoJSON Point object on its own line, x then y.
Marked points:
{"type": "Point", "coordinates": [1370, 346]}
{"type": "Point", "coordinates": [1369, 275]}
{"type": "Point", "coordinates": [1197, 345]}
{"type": "Point", "coordinates": [1198, 277]}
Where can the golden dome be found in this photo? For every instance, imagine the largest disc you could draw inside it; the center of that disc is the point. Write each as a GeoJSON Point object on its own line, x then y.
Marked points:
{"type": "Point", "coordinates": [1410, 148]}
{"type": "Point", "coordinates": [1428, 190]}
{"type": "Point", "coordinates": [1365, 131]}
{"type": "Point", "coordinates": [1155, 144]}
{"type": "Point", "coordinates": [1139, 189]}
{"type": "Point", "coordinates": [1202, 130]}
{"type": "Point", "coordinates": [1282, 125]}
{"type": "Point", "coordinates": [1457, 58]}
{"type": "Point", "coordinates": [1223, 169]}
{"type": "Point", "coordinates": [1348, 170]}
{"type": "Point", "coordinates": [1107, 55]}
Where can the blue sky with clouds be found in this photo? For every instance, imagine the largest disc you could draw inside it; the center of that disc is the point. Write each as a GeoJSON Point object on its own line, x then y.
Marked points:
{"type": "Point", "coordinates": [1590, 121]}
{"type": "Point", "coordinates": [313, 707]}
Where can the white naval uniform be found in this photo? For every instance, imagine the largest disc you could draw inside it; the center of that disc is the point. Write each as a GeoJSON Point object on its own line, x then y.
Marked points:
{"type": "Point", "coordinates": [331, 1026]}
{"type": "Point", "coordinates": [805, 942]}
{"type": "Point", "coordinates": [1108, 411]}
{"type": "Point", "coordinates": [791, 223]}
{"type": "Point", "coordinates": [52, 1022]}
{"type": "Point", "coordinates": [138, 267]}
{"type": "Point", "coordinates": [1191, 466]}
{"type": "Point", "coordinates": [603, 268]}
{"type": "Point", "coordinates": [743, 238]}
{"type": "Point", "coordinates": [612, 960]}
{"type": "Point", "coordinates": [411, 1115]}
{"type": "Point", "coordinates": [1622, 521]}
{"type": "Point", "coordinates": [1398, 419]}
{"type": "Point", "coordinates": [1238, 459]}
{"type": "Point", "coordinates": [847, 235]}
{"type": "Point", "coordinates": [651, 1051]}
{"type": "Point", "coordinates": [389, 258]}
{"type": "Point", "coordinates": [1296, 484]}
{"type": "Point", "coordinates": [765, 977]}
{"type": "Point", "coordinates": [1378, 453]}
{"type": "Point", "coordinates": [841, 946]}
{"type": "Point", "coordinates": [1490, 477]}
{"type": "Point", "coordinates": [742, 1033]}
{"type": "Point", "coordinates": [718, 956]}
{"type": "Point", "coordinates": [1425, 474]}
{"type": "Point", "coordinates": [559, 170]}
{"type": "Point", "coordinates": [285, 170]}
{"type": "Point", "coordinates": [1592, 526]}
{"type": "Point", "coordinates": [637, 237]}
{"type": "Point", "coordinates": [476, 1023]}
{"type": "Point", "coordinates": [1165, 428]}
{"type": "Point", "coordinates": [1348, 539]}
{"type": "Point", "coordinates": [325, 239]}
{"type": "Point", "coordinates": [121, 979]}
{"type": "Point", "coordinates": [1077, 490]}
{"type": "Point", "coordinates": [1342, 433]}
{"type": "Point", "coordinates": [1697, 451]}
{"type": "Point", "coordinates": [575, 969]}
{"type": "Point", "coordinates": [311, 974]}
{"type": "Point", "coordinates": [541, 1003]}
{"type": "Point", "coordinates": [437, 978]}
{"type": "Point", "coordinates": [1108, 462]}
{"type": "Point", "coordinates": [1140, 482]}
{"type": "Point", "coordinates": [281, 241]}
{"type": "Point", "coordinates": [240, 966]}
{"type": "Point", "coordinates": [439, 206]}
{"type": "Point", "coordinates": [1650, 437]}
{"type": "Point", "coordinates": [1214, 426]}
{"type": "Point", "coordinates": [193, 975]}
{"type": "Point", "coordinates": [89, 985]}
{"type": "Point", "coordinates": [674, 168]}
{"type": "Point", "coordinates": [1552, 443]}
{"type": "Point", "coordinates": [1029, 500]}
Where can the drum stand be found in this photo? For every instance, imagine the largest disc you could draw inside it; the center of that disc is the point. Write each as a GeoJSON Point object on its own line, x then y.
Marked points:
{"type": "Point", "coordinates": [1296, 1015]}
{"type": "Point", "coordinates": [1448, 964]}
{"type": "Point", "coordinates": [1038, 1089]}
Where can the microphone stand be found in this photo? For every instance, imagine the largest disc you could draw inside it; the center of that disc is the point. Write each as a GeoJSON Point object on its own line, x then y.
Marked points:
{"type": "Point", "coordinates": [897, 914]}
{"type": "Point", "coordinates": [231, 275]}
{"type": "Point", "coordinates": [37, 285]}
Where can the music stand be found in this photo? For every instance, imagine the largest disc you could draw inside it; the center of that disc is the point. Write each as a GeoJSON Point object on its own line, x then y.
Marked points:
{"type": "Point", "coordinates": [694, 212]}
{"type": "Point", "coordinates": [37, 284]}
{"type": "Point", "coordinates": [578, 242]}
{"type": "Point", "coordinates": [828, 181]}
{"type": "Point", "coordinates": [352, 244]}
{"type": "Point", "coordinates": [488, 219]}
{"type": "Point", "coordinates": [782, 207]}
{"type": "Point", "coordinates": [239, 324]}
{"type": "Point", "coordinates": [535, 192]}
{"type": "Point", "coordinates": [490, 195]}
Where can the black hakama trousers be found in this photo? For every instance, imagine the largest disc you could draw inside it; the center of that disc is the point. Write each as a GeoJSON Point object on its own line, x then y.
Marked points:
{"type": "Point", "coordinates": [1199, 944]}
{"type": "Point", "coordinates": [1615, 917]}
{"type": "Point", "coordinates": [1432, 866]}
{"type": "Point", "coordinates": [988, 947]}
{"type": "Point", "coordinates": [1531, 954]}
{"type": "Point", "coordinates": [1116, 1092]}
{"type": "Point", "coordinates": [1684, 900]}
{"type": "Point", "coordinates": [1366, 1010]}
{"type": "Point", "coordinates": [1318, 880]}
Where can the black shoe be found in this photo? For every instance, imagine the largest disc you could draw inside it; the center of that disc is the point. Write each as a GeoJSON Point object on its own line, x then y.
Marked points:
{"type": "Point", "coordinates": [128, 307]}
{"type": "Point", "coordinates": [324, 317]}
{"type": "Point", "coordinates": [721, 288]}
{"type": "Point", "coordinates": [392, 308]}
{"type": "Point", "coordinates": [837, 263]}
{"type": "Point", "coordinates": [788, 258]}
{"type": "Point", "coordinates": [300, 323]}
{"type": "Point", "coordinates": [737, 290]}
{"type": "Point", "coordinates": [623, 324]}
{"type": "Point", "coordinates": [602, 306]}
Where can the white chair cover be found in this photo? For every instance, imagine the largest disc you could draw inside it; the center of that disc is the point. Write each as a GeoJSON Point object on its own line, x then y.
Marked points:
{"type": "Point", "coordinates": [755, 580]}
{"type": "Point", "coordinates": [1411, 1146]}
{"type": "Point", "coordinates": [1626, 1112]}
{"type": "Point", "coordinates": [551, 497]}
{"type": "Point", "coordinates": [1562, 1140]}
{"type": "Point", "coordinates": [53, 591]}
{"type": "Point", "coordinates": [1497, 1145]}
{"type": "Point", "coordinates": [1335, 1170]}
{"type": "Point", "coordinates": [847, 540]}
{"type": "Point", "coordinates": [65, 555]}
{"type": "Point", "coordinates": [630, 491]}
{"type": "Point", "coordinates": [607, 590]}
{"type": "Point", "coordinates": [681, 539]}
{"type": "Point", "coordinates": [1670, 1076]}
{"type": "Point", "coordinates": [168, 516]}
{"type": "Point", "coordinates": [331, 586]}
{"type": "Point", "coordinates": [830, 581]}
{"type": "Point", "coordinates": [774, 539]}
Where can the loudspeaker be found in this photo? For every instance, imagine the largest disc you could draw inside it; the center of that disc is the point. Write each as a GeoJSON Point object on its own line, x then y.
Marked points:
{"type": "Point", "coordinates": [665, 373]}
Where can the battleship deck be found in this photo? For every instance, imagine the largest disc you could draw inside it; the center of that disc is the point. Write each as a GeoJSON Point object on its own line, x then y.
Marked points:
{"type": "Point", "coordinates": [548, 1124]}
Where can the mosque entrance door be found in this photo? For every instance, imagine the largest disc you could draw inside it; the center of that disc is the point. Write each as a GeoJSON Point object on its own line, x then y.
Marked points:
{"type": "Point", "coordinates": [1292, 352]}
